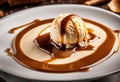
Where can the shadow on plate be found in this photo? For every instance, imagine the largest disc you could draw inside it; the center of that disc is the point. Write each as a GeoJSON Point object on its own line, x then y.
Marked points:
{"type": "Point", "coordinates": [5, 77]}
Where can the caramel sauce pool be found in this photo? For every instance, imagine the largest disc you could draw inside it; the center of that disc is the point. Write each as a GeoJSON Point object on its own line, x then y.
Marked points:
{"type": "Point", "coordinates": [44, 42]}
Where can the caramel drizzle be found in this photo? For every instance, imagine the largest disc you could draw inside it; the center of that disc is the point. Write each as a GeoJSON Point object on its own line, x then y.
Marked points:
{"type": "Point", "coordinates": [44, 43]}
{"type": "Point", "coordinates": [93, 36]}
{"type": "Point", "coordinates": [43, 30]}
{"type": "Point", "coordinates": [63, 26]}
{"type": "Point", "coordinates": [118, 38]}
{"type": "Point", "coordinates": [19, 27]}
{"type": "Point", "coordinates": [73, 66]}
{"type": "Point", "coordinates": [9, 52]}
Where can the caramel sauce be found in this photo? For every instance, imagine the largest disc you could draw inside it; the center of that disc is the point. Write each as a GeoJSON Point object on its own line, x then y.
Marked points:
{"type": "Point", "coordinates": [69, 67]}
{"type": "Point", "coordinates": [118, 38]}
{"type": "Point", "coordinates": [90, 30]}
{"type": "Point", "coordinates": [45, 45]}
{"type": "Point", "coordinates": [50, 60]}
{"type": "Point", "coordinates": [88, 47]}
{"type": "Point", "coordinates": [92, 35]}
{"type": "Point", "coordinates": [9, 52]}
{"type": "Point", "coordinates": [85, 69]}
{"type": "Point", "coordinates": [16, 28]}
{"type": "Point", "coordinates": [64, 23]}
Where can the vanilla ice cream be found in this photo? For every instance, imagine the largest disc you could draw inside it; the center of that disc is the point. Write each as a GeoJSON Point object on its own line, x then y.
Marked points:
{"type": "Point", "coordinates": [68, 30]}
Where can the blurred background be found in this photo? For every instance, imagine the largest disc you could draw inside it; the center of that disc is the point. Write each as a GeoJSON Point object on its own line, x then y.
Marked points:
{"type": "Point", "coordinates": [10, 6]}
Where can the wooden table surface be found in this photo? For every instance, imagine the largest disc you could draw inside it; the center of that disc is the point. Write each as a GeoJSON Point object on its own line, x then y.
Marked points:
{"type": "Point", "coordinates": [4, 77]}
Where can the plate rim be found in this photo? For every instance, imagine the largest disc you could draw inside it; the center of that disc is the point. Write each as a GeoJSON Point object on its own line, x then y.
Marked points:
{"type": "Point", "coordinates": [75, 5]}
{"type": "Point", "coordinates": [80, 5]}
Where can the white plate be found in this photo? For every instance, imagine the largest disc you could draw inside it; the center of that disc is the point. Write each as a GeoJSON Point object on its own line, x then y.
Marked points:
{"type": "Point", "coordinates": [7, 64]}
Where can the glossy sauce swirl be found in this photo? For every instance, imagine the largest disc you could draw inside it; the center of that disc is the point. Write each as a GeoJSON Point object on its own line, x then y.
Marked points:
{"type": "Point", "coordinates": [44, 43]}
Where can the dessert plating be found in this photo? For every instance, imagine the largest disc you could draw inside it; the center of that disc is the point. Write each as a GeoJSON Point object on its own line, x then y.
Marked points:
{"type": "Point", "coordinates": [75, 44]}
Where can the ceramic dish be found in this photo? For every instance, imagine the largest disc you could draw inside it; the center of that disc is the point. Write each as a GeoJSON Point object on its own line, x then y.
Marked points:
{"type": "Point", "coordinates": [9, 65]}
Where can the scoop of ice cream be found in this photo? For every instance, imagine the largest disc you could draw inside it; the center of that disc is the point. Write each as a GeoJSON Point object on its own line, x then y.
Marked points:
{"type": "Point", "coordinates": [68, 30]}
